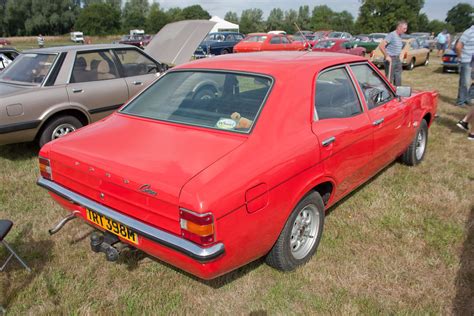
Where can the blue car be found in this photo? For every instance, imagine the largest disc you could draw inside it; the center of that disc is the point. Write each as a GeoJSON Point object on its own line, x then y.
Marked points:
{"type": "Point", "coordinates": [450, 61]}
{"type": "Point", "coordinates": [218, 43]}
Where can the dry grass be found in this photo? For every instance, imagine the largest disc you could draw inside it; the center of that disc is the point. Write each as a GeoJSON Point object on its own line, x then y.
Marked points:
{"type": "Point", "coordinates": [401, 244]}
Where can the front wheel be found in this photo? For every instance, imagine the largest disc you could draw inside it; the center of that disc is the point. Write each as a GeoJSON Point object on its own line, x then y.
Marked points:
{"type": "Point", "coordinates": [59, 127]}
{"type": "Point", "coordinates": [417, 149]}
{"type": "Point", "coordinates": [411, 65]}
{"type": "Point", "coordinates": [300, 236]}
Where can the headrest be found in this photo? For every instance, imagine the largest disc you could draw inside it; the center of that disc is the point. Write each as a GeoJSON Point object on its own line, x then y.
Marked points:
{"type": "Point", "coordinates": [80, 63]}
{"type": "Point", "coordinates": [103, 67]}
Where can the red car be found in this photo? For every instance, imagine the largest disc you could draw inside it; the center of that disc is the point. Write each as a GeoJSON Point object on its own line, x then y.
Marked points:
{"type": "Point", "coordinates": [257, 42]}
{"type": "Point", "coordinates": [4, 42]}
{"type": "Point", "coordinates": [338, 46]}
{"type": "Point", "coordinates": [224, 160]}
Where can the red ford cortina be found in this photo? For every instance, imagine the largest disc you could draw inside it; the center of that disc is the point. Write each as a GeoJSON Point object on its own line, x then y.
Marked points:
{"type": "Point", "coordinates": [258, 42]}
{"type": "Point", "coordinates": [222, 161]}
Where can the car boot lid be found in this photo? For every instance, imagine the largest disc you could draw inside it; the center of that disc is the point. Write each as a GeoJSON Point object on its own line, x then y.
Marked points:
{"type": "Point", "coordinates": [176, 42]}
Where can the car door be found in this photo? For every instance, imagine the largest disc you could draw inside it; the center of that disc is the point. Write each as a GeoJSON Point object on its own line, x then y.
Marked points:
{"type": "Point", "coordinates": [96, 84]}
{"type": "Point", "coordinates": [136, 68]}
{"type": "Point", "coordinates": [389, 116]}
{"type": "Point", "coordinates": [275, 43]}
{"type": "Point", "coordinates": [343, 128]}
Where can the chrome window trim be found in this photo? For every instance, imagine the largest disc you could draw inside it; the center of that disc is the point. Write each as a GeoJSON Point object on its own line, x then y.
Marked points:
{"type": "Point", "coordinates": [159, 236]}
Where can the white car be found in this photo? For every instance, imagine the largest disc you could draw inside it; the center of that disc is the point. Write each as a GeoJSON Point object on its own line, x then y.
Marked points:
{"type": "Point", "coordinates": [77, 37]}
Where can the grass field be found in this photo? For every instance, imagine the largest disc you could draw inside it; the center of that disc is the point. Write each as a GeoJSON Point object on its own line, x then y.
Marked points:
{"type": "Point", "coordinates": [401, 244]}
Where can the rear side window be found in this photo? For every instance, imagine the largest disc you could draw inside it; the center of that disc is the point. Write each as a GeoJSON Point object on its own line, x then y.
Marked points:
{"type": "Point", "coordinates": [93, 66]}
{"type": "Point", "coordinates": [224, 101]}
{"type": "Point", "coordinates": [257, 38]}
{"type": "Point", "coordinates": [376, 92]}
{"type": "Point", "coordinates": [335, 95]}
{"type": "Point", "coordinates": [134, 63]}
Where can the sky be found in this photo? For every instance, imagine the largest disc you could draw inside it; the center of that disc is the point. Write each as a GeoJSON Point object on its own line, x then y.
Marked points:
{"type": "Point", "coordinates": [434, 9]}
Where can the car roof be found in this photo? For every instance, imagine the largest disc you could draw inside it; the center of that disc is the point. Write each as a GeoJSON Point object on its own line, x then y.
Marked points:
{"type": "Point", "coordinates": [60, 49]}
{"type": "Point", "coordinates": [275, 64]}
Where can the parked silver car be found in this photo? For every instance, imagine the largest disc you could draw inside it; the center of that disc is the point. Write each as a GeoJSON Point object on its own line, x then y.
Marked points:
{"type": "Point", "coordinates": [50, 92]}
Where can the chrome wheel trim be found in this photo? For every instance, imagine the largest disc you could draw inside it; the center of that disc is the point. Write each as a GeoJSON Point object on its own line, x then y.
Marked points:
{"type": "Point", "coordinates": [420, 144]}
{"type": "Point", "coordinates": [62, 130]}
{"type": "Point", "coordinates": [304, 232]}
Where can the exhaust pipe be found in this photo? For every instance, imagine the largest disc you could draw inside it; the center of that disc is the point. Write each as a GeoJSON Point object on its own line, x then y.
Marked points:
{"type": "Point", "coordinates": [63, 222]}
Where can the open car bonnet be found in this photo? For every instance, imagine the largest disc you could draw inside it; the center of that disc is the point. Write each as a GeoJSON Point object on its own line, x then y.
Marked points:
{"type": "Point", "coordinates": [176, 42]}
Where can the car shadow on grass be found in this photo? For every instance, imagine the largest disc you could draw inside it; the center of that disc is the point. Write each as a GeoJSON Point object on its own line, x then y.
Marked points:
{"type": "Point", "coordinates": [463, 302]}
{"type": "Point", "coordinates": [133, 258]}
{"type": "Point", "coordinates": [17, 152]}
{"type": "Point", "coordinates": [15, 278]}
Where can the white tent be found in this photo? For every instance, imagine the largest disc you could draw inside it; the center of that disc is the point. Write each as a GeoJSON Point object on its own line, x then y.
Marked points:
{"type": "Point", "coordinates": [223, 25]}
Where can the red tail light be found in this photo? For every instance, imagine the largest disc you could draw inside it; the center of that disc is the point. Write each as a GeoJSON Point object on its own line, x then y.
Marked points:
{"type": "Point", "coordinates": [446, 58]}
{"type": "Point", "coordinates": [198, 228]}
{"type": "Point", "coordinates": [45, 168]}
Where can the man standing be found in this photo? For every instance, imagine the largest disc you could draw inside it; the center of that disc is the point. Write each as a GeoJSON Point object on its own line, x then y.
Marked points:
{"type": "Point", "coordinates": [465, 51]}
{"type": "Point", "coordinates": [391, 48]}
{"type": "Point", "coordinates": [40, 40]}
{"type": "Point", "coordinates": [442, 42]}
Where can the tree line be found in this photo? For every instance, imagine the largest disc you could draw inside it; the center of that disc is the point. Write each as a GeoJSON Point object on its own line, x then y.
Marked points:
{"type": "Point", "coordinates": [107, 17]}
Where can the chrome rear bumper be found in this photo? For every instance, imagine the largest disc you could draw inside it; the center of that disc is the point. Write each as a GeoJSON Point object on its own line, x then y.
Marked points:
{"type": "Point", "coordinates": [154, 234]}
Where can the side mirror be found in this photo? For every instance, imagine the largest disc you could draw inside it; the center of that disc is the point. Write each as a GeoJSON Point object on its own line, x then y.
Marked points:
{"type": "Point", "coordinates": [403, 91]}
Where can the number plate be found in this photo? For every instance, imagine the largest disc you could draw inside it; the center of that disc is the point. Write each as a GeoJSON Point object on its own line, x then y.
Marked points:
{"type": "Point", "coordinates": [112, 226]}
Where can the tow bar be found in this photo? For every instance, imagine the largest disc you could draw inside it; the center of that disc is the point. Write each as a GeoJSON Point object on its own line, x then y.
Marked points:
{"type": "Point", "coordinates": [109, 244]}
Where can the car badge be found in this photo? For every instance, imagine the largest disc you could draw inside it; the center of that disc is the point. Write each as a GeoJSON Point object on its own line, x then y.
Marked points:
{"type": "Point", "coordinates": [147, 189]}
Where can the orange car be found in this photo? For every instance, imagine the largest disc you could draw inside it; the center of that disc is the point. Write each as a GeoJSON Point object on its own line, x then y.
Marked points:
{"type": "Point", "coordinates": [256, 42]}
{"type": "Point", "coordinates": [413, 54]}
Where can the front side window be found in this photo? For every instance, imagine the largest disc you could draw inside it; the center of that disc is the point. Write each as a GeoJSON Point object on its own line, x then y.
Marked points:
{"type": "Point", "coordinates": [29, 68]}
{"type": "Point", "coordinates": [134, 63]}
{"type": "Point", "coordinates": [285, 40]}
{"type": "Point", "coordinates": [375, 90]}
{"type": "Point", "coordinates": [335, 95]}
{"type": "Point", "coordinates": [93, 66]}
{"type": "Point", "coordinates": [223, 101]}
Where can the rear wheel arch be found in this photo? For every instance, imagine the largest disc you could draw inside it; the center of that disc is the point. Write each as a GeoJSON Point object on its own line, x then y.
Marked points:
{"type": "Point", "coordinates": [78, 114]}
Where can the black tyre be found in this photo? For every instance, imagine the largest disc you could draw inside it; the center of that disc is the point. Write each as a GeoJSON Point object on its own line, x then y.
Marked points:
{"type": "Point", "coordinates": [58, 127]}
{"type": "Point", "coordinates": [225, 51]}
{"type": "Point", "coordinates": [417, 149]}
{"type": "Point", "coordinates": [300, 236]}
{"type": "Point", "coordinates": [411, 65]}
{"type": "Point", "coordinates": [427, 61]}
{"type": "Point", "coordinates": [205, 93]}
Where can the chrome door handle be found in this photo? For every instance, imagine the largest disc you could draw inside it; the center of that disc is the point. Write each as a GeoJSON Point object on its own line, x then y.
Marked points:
{"type": "Point", "coordinates": [137, 83]}
{"type": "Point", "coordinates": [77, 90]}
{"type": "Point", "coordinates": [378, 122]}
{"type": "Point", "coordinates": [328, 141]}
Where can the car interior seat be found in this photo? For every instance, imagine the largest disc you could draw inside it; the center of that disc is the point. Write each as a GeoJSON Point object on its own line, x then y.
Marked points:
{"type": "Point", "coordinates": [104, 71]}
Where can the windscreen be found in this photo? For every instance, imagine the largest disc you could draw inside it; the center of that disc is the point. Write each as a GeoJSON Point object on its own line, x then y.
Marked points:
{"type": "Point", "coordinates": [217, 100]}
{"type": "Point", "coordinates": [29, 68]}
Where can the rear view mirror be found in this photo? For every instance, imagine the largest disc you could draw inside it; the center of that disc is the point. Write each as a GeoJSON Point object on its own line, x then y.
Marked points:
{"type": "Point", "coordinates": [403, 91]}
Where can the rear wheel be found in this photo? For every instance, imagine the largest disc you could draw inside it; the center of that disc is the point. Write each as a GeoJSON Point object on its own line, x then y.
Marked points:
{"type": "Point", "coordinates": [411, 65]}
{"type": "Point", "coordinates": [225, 51]}
{"type": "Point", "coordinates": [300, 236]}
{"type": "Point", "coordinates": [59, 127]}
{"type": "Point", "coordinates": [416, 151]}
